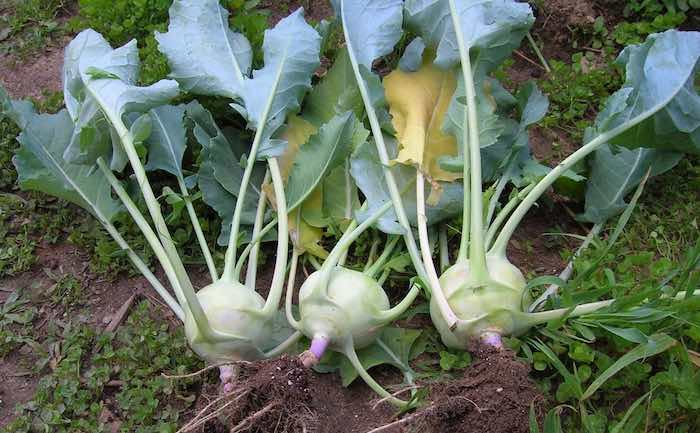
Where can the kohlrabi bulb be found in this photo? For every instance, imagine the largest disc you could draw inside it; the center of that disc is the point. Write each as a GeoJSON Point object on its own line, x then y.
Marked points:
{"type": "Point", "coordinates": [350, 308]}
{"type": "Point", "coordinates": [230, 308]}
{"type": "Point", "coordinates": [484, 309]}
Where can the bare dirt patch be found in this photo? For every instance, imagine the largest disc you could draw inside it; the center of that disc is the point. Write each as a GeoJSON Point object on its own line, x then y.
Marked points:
{"type": "Point", "coordinates": [559, 18]}
{"type": "Point", "coordinates": [494, 396]}
{"type": "Point", "coordinates": [32, 77]}
{"type": "Point", "coordinates": [281, 395]}
{"type": "Point", "coordinates": [315, 10]}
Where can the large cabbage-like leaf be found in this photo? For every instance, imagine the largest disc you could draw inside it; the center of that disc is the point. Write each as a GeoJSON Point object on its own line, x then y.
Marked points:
{"type": "Point", "coordinates": [366, 169]}
{"type": "Point", "coordinates": [20, 112]}
{"type": "Point", "coordinates": [291, 54]}
{"type": "Point", "coordinates": [418, 102]}
{"type": "Point", "coordinates": [220, 171]}
{"type": "Point", "coordinates": [40, 167]}
{"type": "Point", "coordinates": [100, 87]}
{"type": "Point", "coordinates": [375, 27]}
{"type": "Point", "coordinates": [335, 94]}
{"type": "Point", "coordinates": [324, 151]}
{"type": "Point", "coordinates": [167, 141]}
{"type": "Point", "coordinates": [492, 29]}
{"type": "Point", "coordinates": [660, 88]}
{"type": "Point", "coordinates": [206, 57]}
{"type": "Point", "coordinates": [615, 173]}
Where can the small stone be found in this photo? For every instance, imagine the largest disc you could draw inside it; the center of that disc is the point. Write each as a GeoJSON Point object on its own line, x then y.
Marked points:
{"type": "Point", "coordinates": [289, 382]}
{"type": "Point", "coordinates": [499, 389]}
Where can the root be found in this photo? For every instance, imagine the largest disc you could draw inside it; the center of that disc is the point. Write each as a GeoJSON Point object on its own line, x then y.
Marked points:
{"type": "Point", "coordinates": [406, 420]}
{"type": "Point", "coordinates": [205, 369]}
{"type": "Point", "coordinates": [269, 395]}
{"type": "Point", "coordinates": [248, 421]}
{"type": "Point", "coordinates": [206, 415]}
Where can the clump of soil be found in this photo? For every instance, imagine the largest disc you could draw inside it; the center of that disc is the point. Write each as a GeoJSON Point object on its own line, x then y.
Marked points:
{"type": "Point", "coordinates": [563, 14]}
{"type": "Point", "coordinates": [281, 395]}
{"type": "Point", "coordinates": [494, 396]}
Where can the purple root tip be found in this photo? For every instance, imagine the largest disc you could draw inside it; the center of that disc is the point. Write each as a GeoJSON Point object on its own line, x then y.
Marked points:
{"type": "Point", "coordinates": [492, 339]}
{"type": "Point", "coordinates": [228, 388]}
{"type": "Point", "coordinates": [319, 344]}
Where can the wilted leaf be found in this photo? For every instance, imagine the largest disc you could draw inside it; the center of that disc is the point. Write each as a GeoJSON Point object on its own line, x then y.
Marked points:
{"type": "Point", "coordinates": [418, 102]}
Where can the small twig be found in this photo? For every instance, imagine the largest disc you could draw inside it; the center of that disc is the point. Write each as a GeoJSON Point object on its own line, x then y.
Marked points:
{"type": "Point", "coordinates": [536, 48]}
{"type": "Point", "coordinates": [470, 401]}
{"type": "Point", "coordinates": [595, 50]}
{"type": "Point", "coordinates": [115, 383]}
{"type": "Point", "coordinates": [241, 425]}
{"type": "Point", "coordinates": [529, 60]}
{"type": "Point", "coordinates": [200, 418]}
{"type": "Point", "coordinates": [199, 421]}
{"type": "Point", "coordinates": [121, 314]}
{"type": "Point", "coordinates": [397, 423]}
{"type": "Point", "coordinates": [401, 391]}
{"type": "Point", "coordinates": [198, 372]}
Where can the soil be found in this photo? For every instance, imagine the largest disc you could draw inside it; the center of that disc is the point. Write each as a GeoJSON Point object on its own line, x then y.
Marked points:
{"type": "Point", "coordinates": [494, 396]}
{"type": "Point", "coordinates": [315, 10]}
{"type": "Point", "coordinates": [35, 76]}
{"type": "Point", "coordinates": [280, 395]}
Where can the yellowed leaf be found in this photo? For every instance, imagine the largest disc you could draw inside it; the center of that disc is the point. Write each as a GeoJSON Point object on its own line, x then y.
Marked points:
{"type": "Point", "coordinates": [418, 102]}
{"type": "Point", "coordinates": [296, 133]}
{"type": "Point", "coordinates": [304, 237]}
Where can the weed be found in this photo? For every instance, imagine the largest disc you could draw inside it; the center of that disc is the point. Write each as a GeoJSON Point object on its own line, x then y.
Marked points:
{"type": "Point", "coordinates": [574, 92]}
{"type": "Point", "coordinates": [67, 291]}
{"type": "Point", "coordinates": [75, 395]}
{"type": "Point", "coordinates": [16, 317]}
{"type": "Point", "coordinates": [666, 220]}
{"type": "Point", "coordinates": [653, 8]}
{"type": "Point", "coordinates": [26, 25]}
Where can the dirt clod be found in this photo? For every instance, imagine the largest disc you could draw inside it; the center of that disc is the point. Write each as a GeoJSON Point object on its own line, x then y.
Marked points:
{"type": "Point", "coordinates": [281, 395]}
{"type": "Point", "coordinates": [494, 396]}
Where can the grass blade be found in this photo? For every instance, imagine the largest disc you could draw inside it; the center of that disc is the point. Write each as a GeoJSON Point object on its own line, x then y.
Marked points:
{"type": "Point", "coordinates": [657, 343]}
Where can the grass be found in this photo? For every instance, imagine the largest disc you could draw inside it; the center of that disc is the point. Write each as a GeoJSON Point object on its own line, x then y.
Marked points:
{"type": "Point", "coordinates": [94, 374]}
{"type": "Point", "coordinates": [27, 25]}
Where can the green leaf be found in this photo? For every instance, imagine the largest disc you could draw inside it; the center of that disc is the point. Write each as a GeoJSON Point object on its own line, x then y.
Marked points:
{"type": "Point", "coordinates": [399, 341]}
{"type": "Point", "coordinates": [552, 421]}
{"type": "Point", "coordinates": [533, 104]}
{"type": "Point", "coordinates": [40, 167]}
{"type": "Point", "coordinates": [367, 172]}
{"type": "Point", "coordinates": [412, 56]}
{"type": "Point", "coordinates": [141, 128]}
{"type": "Point", "coordinates": [291, 56]}
{"type": "Point", "coordinates": [373, 27]}
{"type": "Point", "coordinates": [534, 428]}
{"type": "Point", "coordinates": [324, 151]}
{"type": "Point", "coordinates": [337, 89]}
{"type": "Point", "coordinates": [220, 172]}
{"type": "Point", "coordinates": [624, 422]}
{"type": "Point", "coordinates": [92, 99]}
{"type": "Point", "coordinates": [492, 29]}
{"type": "Point", "coordinates": [615, 173]}
{"type": "Point", "coordinates": [660, 88]}
{"type": "Point", "coordinates": [656, 344]}
{"type": "Point", "coordinates": [97, 73]}
{"type": "Point", "coordinates": [167, 141]}
{"type": "Point", "coordinates": [20, 112]}
{"type": "Point", "coordinates": [206, 57]}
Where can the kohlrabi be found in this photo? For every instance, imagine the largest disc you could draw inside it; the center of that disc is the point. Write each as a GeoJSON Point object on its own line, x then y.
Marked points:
{"type": "Point", "coordinates": [340, 308]}
{"type": "Point", "coordinates": [449, 117]}
{"type": "Point", "coordinates": [109, 122]}
{"type": "Point", "coordinates": [487, 297]}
